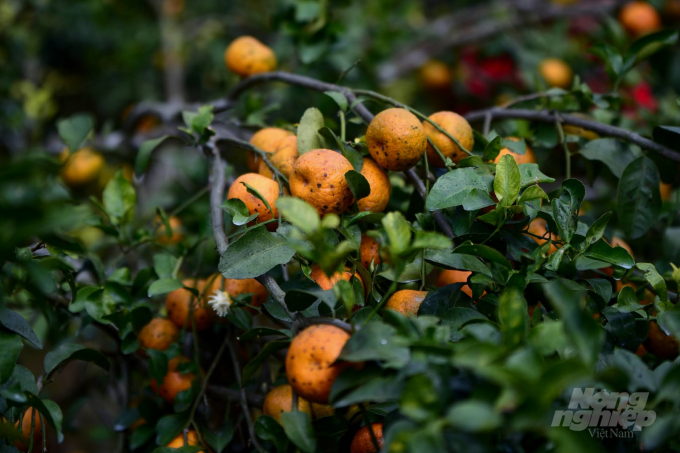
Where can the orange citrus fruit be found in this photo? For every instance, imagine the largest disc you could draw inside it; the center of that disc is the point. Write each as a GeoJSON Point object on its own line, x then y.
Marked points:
{"type": "Point", "coordinates": [318, 177]}
{"type": "Point", "coordinates": [556, 72]}
{"type": "Point", "coordinates": [666, 191]}
{"type": "Point", "coordinates": [435, 75]}
{"type": "Point", "coordinates": [283, 158]}
{"type": "Point", "coordinates": [363, 441]}
{"type": "Point", "coordinates": [176, 227]}
{"type": "Point", "coordinates": [369, 251]}
{"type": "Point", "coordinates": [192, 439]}
{"type": "Point", "coordinates": [449, 277]}
{"type": "Point", "coordinates": [457, 127]}
{"type": "Point", "coordinates": [81, 167]}
{"type": "Point", "coordinates": [280, 400]}
{"type": "Point", "coordinates": [379, 182]}
{"type": "Point", "coordinates": [174, 382]}
{"type": "Point", "coordinates": [661, 345]}
{"type": "Point", "coordinates": [396, 139]}
{"type": "Point", "coordinates": [159, 334]}
{"type": "Point", "coordinates": [406, 301]}
{"type": "Point", "coordinates": [639, 18]}
{"type": "Point", "coordinates": [538, 227]}
{"type": "Point", "coordinates": [326, 283]}
{"type": "Point", "coordinates": [527, 158]}
{"type": "Point", "coordinates": [311, 361]}
{"type": "Point", "coordinates": [268, 188]}
{"type": "Point", "coordinates": [246, 56]}
{"type": "Point", "coordinates": [266, 140]}
{"type": "Point", "coordinates": [179, 302]}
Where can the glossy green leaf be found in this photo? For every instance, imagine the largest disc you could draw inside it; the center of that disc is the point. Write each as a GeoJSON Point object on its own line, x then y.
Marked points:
{"type": "Point", "coordinates": [639, 200]}
{"type": "Point", "coordinates": [254, 253]}
{"type": "Point", "coordinates": [308, 137]}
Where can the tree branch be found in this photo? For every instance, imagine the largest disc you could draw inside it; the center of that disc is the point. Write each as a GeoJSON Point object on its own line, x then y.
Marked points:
{"type": "Point", "coordinates": [217, 186]}
{"type": "Point", "coordinates": [225, 392]}
{"type": "Point", "coordinates": [552, 117]}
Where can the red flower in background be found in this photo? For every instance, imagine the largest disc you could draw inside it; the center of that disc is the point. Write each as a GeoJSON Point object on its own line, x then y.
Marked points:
{"type": "Point", "coordinates": [501, 67]}
{"type": "Point", "coordinates": [643, 96]}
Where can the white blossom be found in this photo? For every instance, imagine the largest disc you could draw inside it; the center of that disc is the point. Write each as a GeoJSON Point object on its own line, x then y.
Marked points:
{"type": "Point", "coordinates": [220, 302]}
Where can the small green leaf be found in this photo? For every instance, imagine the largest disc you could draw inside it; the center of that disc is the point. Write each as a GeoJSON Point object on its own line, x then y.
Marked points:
{"type": "Point", "coordinates": [452, 188]}
{"type": "Point", "coordinates": [308, 137]}
{"type": "Point", "coordinates": [73, 351]}
{"type": "Point", "coordinates": [119, 198]}
{"type": "Point", "coordinates": [238, 211]}
{"type": "Point", "coordinates": [473, 416]}
{"type": "Point", "coordinates": [298, 428]}
{"type": "Point", "coordinates": [74, 130]}
{"type": "Point", "coordinates": [220, 439]}
{"type": "Point", "coordinates": [299, 213]}
{"type": "Point", "coordinates": [614, 153]}
{"type": "Point", "coordinates": [639, 200]}
{"type": "Point", "coordinates": [596, 230]}
{"type": "Point", "coordinates": [164, 286]}
{"type": "Point", "coordinates": [655, 279]}
{"type": "Point", "coordinates": [533, 193]}
{"type": "Point", "coordinates": [484, 252]}
{"type": "Point", "coordinates": [13, 321]}
{"type": "Point", "coordinates": [506, 184]}
{"type": "Point", "coordinates": [251, 190]}
{"type": "Point", "coordinates": [10, 347]}
{"type": "Point", "coordinates": [339, 99]}
{"type": "Point", "coordinates": [530, 174]}
{"type": "Point", "coordinates": [144, 153]}
{"type": "Point", "coordinates": [492, 149]}
{"type": "Point", "coordinates": [358, 184]}
{"type": "Point", "coordinates": [398, 232]}
{"type": "Point", "coordinates": [254, 253]}
{"type": "Point", "coordinates": [513, 315]}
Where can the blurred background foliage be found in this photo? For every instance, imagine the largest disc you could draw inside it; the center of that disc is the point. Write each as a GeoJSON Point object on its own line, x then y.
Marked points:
{"type": "Point", "coordinates": [104, 58]}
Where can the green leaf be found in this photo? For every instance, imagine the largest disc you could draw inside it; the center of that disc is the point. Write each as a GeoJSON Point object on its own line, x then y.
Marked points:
{"type": "Point", "coordinates": [452, 260]}
{"type": "Point", "coordinates": [339, 99]}
{"type": "Point", "coordinates": [119, 198]}
{"type": "Point", "coordinates": [144, 153]}
{"type": "Point", "coordinates": [269, 430]}
{"type": "Point", "coordinates": [652, 276]}
{"type": "Point", "coordinates": [614, 153]}
{"type": "Point", "coordinates": [530, 174]}
{"type": "Point", "coordinates": [238, 211]}
{"type": "Point", "coordinates": [477, 199]}
{"type": "Point", "coordinates": [201, 120]}
{"type": "Point", "coordinates": [50, 411]}
{"type": "Point", "coordinates": [75, 129]}
{"type": "Point", "coordinates": [513, 315]}
{"type": "Point", "coordinates": [639, 200]}
{"type": "Point", "coordinates": [645, 47]}
{"type": "Point", "coordinates": [10, 347]}
{"type": "Point", "coordinates": [73, 351]}
{"type": "Point", "coordinates": [516, 146]}
{"type": "Point", "coordinates": [492, 149]}
{"type": "Point", "coordinates": [430, 240]}
{"type": "Point", "coordinates": [298, 428]}
{"type": "Point", "coordinates": [254, 192]}
{"type": "Point", "coordinates": [452, 188]}
{"type": "Point", "coordinates": [164, 264]}
{"type": "Point", "coordinates": [618, 256]}
{"type": "Point", "coordinates": [565, 208]}
{"type": "Point", "coordinates": [596, 230]}
{"type": "Point", "coordinates": [164, 286]}
{"type": "Point", "coordinates": [308, 131]}
{"type": "Point", "coordinates": [611, 56]}
{"type": "Point", "coordinates": [506, 184]}
{"type": "Point", "coordinates": [158, 364]}
{"type": "Point", "coordinates": [484, 252]}
{"type": "Point", "coordinates": [358, 184]}
{"type": "Point", "coordinates": [169, 426]}
{"type": "Point", "coordinates": [473, 416]}
{"type": "Point", "coordinates": [398, 232]}
{"type": "Point", "coordinates": [220, 439]}
{"type": "Point", "coordinates": [533, 193]}
{"type": "Point", "coordinates": [376, 341]}
{"type": "Point", "coordinates": [254, 253]}
{"type": "Point", "coordinates": [13, 321]}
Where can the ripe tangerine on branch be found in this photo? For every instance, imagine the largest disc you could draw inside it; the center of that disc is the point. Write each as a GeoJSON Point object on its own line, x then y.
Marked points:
{"type": "Point", "coordinates": [396, 139]}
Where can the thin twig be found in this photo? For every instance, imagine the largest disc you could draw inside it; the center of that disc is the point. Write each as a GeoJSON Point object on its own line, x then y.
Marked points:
{"type": "Point", "coordinates": [217, 186]}
{"type": "Point", "coordinates": [602, 129]}
{"type": "Point", "coordinates": [225, 392]}
{"type": "Point", "coordinates": [243, 397]}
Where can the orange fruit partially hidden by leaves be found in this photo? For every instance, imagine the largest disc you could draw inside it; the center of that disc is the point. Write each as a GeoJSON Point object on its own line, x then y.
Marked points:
{"type": "Point", "coordinates": [369, 251]}
{"type": "Point", "coordinates": [177, 232]}
{"type": "Point", "coordinates": [379, 182]}
{"type": "Point", "coordinates": [280, 400]}
{"type": "Point", "coordinates": [81, 167]}
{"type": "Point", "coordinates": [246, 56]}
{"type": "Point", "coordinates": [456, 126]}
{"type": "Point", "coordinates": [283, 158]}
{"type": "Point", "coordinates": [435, 75]}
{"type": "Point", "coordinates": [174, 381]}
{"type": "Point", "coordinates": [396, 139]}
{"type": "Point", "coordinates": [318, 178]}
{"type": "Point", "coordinates": [556, 72]}
{"type": "Point", "coordinates": [326, 283]}
{"type": "Point", "coordinates": [639, 18]}
{"type": "Point", "coordinates": [527, 158]}
{"type": "Point", "coordinates": [267, 140]}
{"type": "Point", "coordinates": [661, 345]}
{"type": "Point", "coordinates": [159, 334]}
{"type": "Point", "coordinates": [363, 441]}
{"type": "Point", "coordinates": [666, 191]}
{"type": "Point", "coordinates": [406, 301]}
{"type": "Point", "coordinates": [538, 228]}
{"type": "Point", "coordinates": [235, 287]}
{"type": "Point", "coordinates": [26, 421]}
{"type": "Point", "coordinates": [180, 302]}
{"type": "Point", "coordinates": [268, 188]}
{"type": "Point", "coordinates": [449, 277]}
{"type": "Point", "coordinates": [192, 440]}
{"type": "Point", "coordinates": [310, 362]}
